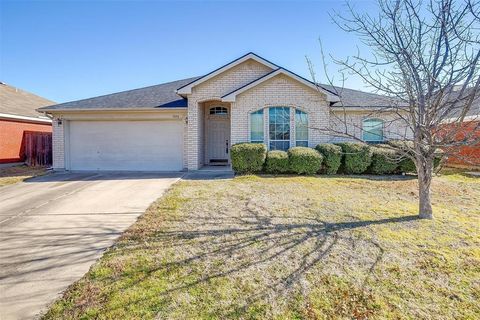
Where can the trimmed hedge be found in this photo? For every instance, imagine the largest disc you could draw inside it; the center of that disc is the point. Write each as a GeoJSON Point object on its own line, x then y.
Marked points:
{"type": "Point", "coordinates": [357, 157]}
{"type": "Point", "coordinates": [276, 162]}
{"type": "Point", "coordinates": [332, 157]}
{"type": "Point", "coordinates": [384, 160]}
{"type": "Point", "coordinates": [303, 160]}
{"type": "Point", "coordinates": [248, 157]}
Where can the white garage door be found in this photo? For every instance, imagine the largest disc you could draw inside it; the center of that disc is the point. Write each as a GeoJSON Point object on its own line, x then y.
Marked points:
{"type": "Point", "coordinates": [126, 145]}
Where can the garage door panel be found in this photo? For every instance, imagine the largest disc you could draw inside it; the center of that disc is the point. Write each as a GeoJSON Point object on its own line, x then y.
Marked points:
{"type": "Point", "coordinates": [126, 145]}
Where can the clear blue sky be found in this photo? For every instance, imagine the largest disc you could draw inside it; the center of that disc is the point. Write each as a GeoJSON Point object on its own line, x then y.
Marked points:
{"type": "Point", "coordinates": [69, 50]}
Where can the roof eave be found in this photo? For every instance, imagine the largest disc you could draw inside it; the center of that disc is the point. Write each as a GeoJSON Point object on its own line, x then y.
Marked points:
{"type": "Point", "coordinates": [367, 108]}
{"type": "Point", "coordinates": [15, 117]}
{"type": "Point", "coordinates": [58, 110]}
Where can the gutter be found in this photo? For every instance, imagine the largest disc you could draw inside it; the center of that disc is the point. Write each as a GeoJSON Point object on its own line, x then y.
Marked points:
{"type": "Point", "coordinates": [24, 118]}
{"type": "Point", "coordinates": [465, 119]}
{"type": "Point", "coordinates": [111, 109]}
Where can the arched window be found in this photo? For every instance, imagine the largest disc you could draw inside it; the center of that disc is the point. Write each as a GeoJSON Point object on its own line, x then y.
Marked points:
{"type": "Point", "coordinates": [219, 110]}
{"type": "Point", "coordinates": [301, 129]}
{"type": "Point", "coordinates": [372, 130]}
{"type": "Point", "coordinates": [256, 126]}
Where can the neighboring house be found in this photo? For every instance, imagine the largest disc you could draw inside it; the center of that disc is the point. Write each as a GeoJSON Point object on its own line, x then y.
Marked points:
{"type": "Point", "coordinates": [18, 115]}
{"type": "Point", "coordinates": [465, 156]}
{"type": "Point", "coordinates": [191, 123]}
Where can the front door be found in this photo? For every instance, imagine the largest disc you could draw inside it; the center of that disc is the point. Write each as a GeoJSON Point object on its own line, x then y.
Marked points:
{"type": "Point", "coordinates": [218, 136]}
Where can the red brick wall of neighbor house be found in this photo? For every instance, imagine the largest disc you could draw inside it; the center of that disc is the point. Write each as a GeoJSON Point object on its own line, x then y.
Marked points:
{"type": "Point", "coordinates": [11, 137]}
{"type": "Point", "coordinates": [467, 155]}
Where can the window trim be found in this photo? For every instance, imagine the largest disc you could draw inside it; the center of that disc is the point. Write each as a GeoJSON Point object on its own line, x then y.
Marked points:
{"type": "Point", "coordinates": [365, 131]}
{"type": "Point", "coordinates": [258, 111]}
{"type": "Point", "coordinates": [295, 124]}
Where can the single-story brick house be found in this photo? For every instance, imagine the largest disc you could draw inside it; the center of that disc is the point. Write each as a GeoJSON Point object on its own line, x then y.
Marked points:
{"type": "Point", "coordinates": [191, 123]}
{"type": "Point", "coordinates": [18, 115]}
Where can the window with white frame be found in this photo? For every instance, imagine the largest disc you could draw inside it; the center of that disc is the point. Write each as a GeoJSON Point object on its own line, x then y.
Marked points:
{"type": "Point", "coordinates": [301, 128]}
{"type": "Point", "coordinates": [219, 111]}
{"type": "Point", "coordinates": [372, 130]}
{"type": "Point", "coordinates": [256, 126]}
{"type": "Point", "coordinates": [279, 128]}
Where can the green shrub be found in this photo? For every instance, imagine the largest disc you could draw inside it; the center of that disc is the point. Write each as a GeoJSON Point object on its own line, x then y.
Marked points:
{"type": "Point", "coordinates": [384, 160]}
{"type": "Point", "coordinates": [439, 154]}
{"type": "Point", "coordinates": [303, 160]}
{"type": "Point", "coordinates": [277, 162]}
{"type": "Point", "coordinates": [248, 157]}
{"type": "Point", "coordinates": [356, 157]}
{"type": "Point", "coordinates": [332, 157]}
{"type": "Point", "coordinates": [407, 165]}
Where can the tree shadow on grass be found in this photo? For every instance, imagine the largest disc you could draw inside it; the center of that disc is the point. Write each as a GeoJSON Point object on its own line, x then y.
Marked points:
{"type": "Point", "coordinates": [251, 246]}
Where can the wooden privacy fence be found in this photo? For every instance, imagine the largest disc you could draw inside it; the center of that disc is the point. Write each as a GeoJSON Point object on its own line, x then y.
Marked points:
{"type": "Point", "coordinates": [37, 148]}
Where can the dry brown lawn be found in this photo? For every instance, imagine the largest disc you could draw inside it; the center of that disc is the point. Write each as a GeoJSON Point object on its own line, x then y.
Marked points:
{"type": "Point", "coordinates": [16, 174]}
{"type": "Point", "coordinates": [260, 247]}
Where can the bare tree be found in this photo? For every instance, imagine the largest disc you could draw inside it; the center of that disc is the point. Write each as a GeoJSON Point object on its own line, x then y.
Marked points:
{"type": "Point", "coordinates": [426, 59]}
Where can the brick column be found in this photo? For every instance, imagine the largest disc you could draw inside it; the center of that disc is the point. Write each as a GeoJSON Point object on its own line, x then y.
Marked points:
{"type": "Point", "coordinates": [193, 136]}
{"type": "Point", "coordinates": [58, 141]}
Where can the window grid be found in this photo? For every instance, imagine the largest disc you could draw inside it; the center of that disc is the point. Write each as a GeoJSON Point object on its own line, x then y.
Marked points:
{"type": "Point", "coordinates": [219, 110]}
{"type": "Point", "coordinates": [279, 128]}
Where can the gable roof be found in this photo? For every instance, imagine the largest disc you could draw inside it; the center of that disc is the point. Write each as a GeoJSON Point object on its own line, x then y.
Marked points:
{"type": "Point", "coordinates": [157, 96]}
{"type": "Point", "coordinates": [169, 95]}
{"type": "Point", "coordinates": [230, 97]}
{"type": "Point", "coordinates": [17, 102]}
{"type": "Point", "coordinates": [187, 88]}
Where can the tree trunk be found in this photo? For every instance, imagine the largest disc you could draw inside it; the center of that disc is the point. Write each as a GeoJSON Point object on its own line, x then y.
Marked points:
{"type": "Point", "coordinates": [424, 171]}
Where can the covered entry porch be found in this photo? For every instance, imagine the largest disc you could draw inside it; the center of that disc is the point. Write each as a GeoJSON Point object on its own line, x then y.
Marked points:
{"type": "Point", "coordinates": [214, 138]}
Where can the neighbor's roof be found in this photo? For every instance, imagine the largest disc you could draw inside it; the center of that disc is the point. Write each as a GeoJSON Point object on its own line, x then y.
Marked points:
{"type": "Point", "coordinates": [473, 112]}
{"type": "Point", "coordinates": [18, 102]}
{"type": "Point", "coordinates": [158, 96]}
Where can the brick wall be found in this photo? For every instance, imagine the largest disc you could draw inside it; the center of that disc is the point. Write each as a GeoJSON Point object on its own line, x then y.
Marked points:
{"type": "Point", "coordinates": [58, 145]}
{"type": "Point", "coordinates": [214, 89]}
{"type": "Point", "coordinates": [11, 137]}
{"type": "Point", "coordinates": [394, 127]}
{"type": "Point", "coordinates": [281, 90]}
{"type": "Point", "coordinates": [468, 156]}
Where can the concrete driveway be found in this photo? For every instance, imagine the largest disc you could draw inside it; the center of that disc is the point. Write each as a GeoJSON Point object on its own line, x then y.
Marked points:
{"type": "Point", "coordinates": [53, 228]}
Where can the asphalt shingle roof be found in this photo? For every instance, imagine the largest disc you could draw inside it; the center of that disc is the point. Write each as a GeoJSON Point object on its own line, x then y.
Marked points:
{"type": "Point", "coordinates": [18, 102]}
{"type": "Point", "coordinates": [474, 109]}
{"type": "Point", "coordinates": [355, 98]}
{"type": "Point", "coordinates": [157, 96]}
{"type": "Point", "coordinates": [164, 96]}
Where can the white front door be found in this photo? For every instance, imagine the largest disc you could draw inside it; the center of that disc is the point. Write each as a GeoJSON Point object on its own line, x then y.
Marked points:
{"type": "Point", "coordinates": [218, 139]}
